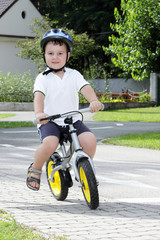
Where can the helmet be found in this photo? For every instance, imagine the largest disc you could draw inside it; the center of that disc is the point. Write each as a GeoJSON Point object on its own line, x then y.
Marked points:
{"type": "Point", "coordinates": [54, 34]}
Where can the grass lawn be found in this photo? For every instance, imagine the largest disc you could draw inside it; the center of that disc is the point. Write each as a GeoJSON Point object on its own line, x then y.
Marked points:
{"type": "Point", "coordinates": [5, 115]}
{"type": "Point", "coordinates": [11, 230]}
{"type": "Point", "coordinates": [15, 124]}
{"type": "Point", "coordinates": [151, 114]}
{"type": "Point", "coordinates": [12, 124]}
{"type": "Point", "coordinates": [143, 140]}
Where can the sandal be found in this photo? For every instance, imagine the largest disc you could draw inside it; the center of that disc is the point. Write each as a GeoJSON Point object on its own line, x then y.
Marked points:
{"type": "Point", "coordinates": [33, 179]}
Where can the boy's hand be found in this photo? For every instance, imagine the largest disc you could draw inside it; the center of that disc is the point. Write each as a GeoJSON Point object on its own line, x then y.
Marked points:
{"type": "Point", "coordinates": [41, 115]}
{"type": "Point", "coordinates": [95, 106]}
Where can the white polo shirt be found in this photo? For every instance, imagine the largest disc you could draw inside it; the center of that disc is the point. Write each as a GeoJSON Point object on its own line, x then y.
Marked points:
{"type": "Point", "coordinates": [61, 95]}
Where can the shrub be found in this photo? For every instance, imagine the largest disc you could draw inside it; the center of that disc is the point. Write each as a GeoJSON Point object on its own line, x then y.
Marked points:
{"type": "Point", "coordinates": [19, 88]}
{"type": "Point", "coordinates": [16, 88]}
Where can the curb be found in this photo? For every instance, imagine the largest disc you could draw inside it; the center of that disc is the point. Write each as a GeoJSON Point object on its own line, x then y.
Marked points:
{"type": "Point", "coordinates": [15, 106]}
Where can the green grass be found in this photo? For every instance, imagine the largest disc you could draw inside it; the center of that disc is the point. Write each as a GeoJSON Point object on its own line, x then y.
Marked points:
{"type": "Point", "coordinates": [143, 140]}
{"type": "Point", "coordinates": [15, 124]}
{"type": "Point", "coordinates": [151, 114]}
{"type": "Point", "coordinates": [12, 124]}
{"type": "Point", "coordinates": [5, 115]}
{"type": "Point", "coordinates": [11, 230]}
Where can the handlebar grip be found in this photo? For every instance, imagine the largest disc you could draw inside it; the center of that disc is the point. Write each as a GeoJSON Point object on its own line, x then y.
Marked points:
{"type": "Point", "coordinates": [51, 117]}
{"type": "Point", "coordinates": [43, 119]}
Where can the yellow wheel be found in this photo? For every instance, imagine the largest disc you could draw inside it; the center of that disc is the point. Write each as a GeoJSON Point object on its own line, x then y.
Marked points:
{"type": "Point", "coordinates": [57, 186]}
{"type": "Point", "coordinates": [85, 186]}
{"type": "Point", "coordinates": [89, 184]}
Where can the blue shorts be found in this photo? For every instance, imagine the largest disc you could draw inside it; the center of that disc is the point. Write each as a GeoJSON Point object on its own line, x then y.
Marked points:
{"type": "Point", "coordinates": [52, 129]}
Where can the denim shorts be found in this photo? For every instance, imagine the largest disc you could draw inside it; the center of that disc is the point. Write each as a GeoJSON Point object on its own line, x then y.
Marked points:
{"type": "Point", "coordinates": [52, 129]}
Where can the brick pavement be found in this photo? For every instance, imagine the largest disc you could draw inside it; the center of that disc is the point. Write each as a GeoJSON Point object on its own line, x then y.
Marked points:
{"type": "Point", "coordinates": [113, 220]}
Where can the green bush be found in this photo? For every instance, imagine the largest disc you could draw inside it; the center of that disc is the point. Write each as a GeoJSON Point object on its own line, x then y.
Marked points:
{"type": "Point", "coordinates": [144, 97]}
{"type": "Point", "coordinates": [16, 88]}
{"type": "Point", "coordinates": [19, 88]}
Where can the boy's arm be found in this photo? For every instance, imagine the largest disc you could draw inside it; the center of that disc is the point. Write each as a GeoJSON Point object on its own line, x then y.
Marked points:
{"type": "Point", "coordinates": [91, 97]}
{"type": "Point", "coordinates": [39, 107]}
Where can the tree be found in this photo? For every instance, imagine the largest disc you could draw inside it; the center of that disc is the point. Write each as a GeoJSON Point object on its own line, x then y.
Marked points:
{"type": "Point", "coordinates": [135, 46]}
{"type": "Point", "coordinates": [83, 46]}
{"type": "Point", "coordinates": [92, 17]}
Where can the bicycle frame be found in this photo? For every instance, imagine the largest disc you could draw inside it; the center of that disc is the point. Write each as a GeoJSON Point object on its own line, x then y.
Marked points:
{"type": "Point", "coordinates": [74, 149]}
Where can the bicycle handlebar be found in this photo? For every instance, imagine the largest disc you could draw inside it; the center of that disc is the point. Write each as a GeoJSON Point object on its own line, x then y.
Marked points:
{"type": "Point", "coordinates": [67, 114]}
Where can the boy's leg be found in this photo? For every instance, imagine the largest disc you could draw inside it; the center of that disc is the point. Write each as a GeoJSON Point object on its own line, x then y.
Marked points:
{"type": "Point", "coordinates": [88, 143]}
{"type": "Point", "coordinates": [45, 150]}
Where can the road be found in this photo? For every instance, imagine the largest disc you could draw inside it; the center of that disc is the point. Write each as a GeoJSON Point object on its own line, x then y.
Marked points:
{"type": "Point", "coordinates": [112, 171]}
{"type": "Point", "coordinates": [28, 136]}
{"type": "Point", "coordinates": [129, 189]}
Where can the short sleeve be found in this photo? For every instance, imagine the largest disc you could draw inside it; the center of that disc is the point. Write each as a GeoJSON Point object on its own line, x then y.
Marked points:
{"type": "Point", "coordinates": [80, 81]}
{"type": "Point", "coordinates": [39, 85]}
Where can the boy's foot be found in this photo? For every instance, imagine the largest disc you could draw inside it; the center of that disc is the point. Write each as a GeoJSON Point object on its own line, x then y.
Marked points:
{"type": "Point", "coordinates": [32, 181]}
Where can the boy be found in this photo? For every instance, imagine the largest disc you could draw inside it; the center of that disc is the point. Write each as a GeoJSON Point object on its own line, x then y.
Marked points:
{"type": "Point", "coordinates": [55, 92]}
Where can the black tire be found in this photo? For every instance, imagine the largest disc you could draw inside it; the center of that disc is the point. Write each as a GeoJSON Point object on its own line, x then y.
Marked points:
{"type": "Point", "coordinates": [89, 183]}
{"type": "Point", "coordinates": [58, 187]}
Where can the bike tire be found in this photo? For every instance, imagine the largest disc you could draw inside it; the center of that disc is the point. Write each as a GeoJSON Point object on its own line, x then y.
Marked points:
{"type": "Point", "coordinates": [58, 187]}
{"type": "Point", "coordinates": [89, 183]}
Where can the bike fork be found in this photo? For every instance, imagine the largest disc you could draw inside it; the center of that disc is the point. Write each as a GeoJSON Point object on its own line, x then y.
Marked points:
{"type": "Point", "coordinates": [78, 155]}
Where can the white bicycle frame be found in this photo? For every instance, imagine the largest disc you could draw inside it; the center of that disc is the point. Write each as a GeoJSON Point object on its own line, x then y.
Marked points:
{"type": "Point", "coordinates": [74, 149]}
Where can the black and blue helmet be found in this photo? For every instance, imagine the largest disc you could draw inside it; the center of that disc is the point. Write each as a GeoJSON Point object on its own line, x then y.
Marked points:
{"type": "Point", "coordinates": [56, 34]}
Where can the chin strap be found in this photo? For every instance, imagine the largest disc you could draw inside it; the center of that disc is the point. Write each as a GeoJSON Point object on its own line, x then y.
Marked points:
{"type": "Point", "coordinates": [53, 70]}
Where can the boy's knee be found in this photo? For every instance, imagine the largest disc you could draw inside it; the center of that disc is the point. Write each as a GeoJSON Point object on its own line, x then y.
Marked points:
{"type": "Point", "coordinates": [87, 138]}
{"type": "Point", "coordinates": [50, 144]}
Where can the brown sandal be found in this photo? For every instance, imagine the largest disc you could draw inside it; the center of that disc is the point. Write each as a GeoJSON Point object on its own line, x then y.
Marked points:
{"type": "Point", "coordinates": [33, 179]}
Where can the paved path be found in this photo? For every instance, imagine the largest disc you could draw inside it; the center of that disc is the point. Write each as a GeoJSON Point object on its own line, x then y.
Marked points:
{"type": "Point", "coordinates": [30, 116]}
{"type": "Point", "coordinates": [115, 219]}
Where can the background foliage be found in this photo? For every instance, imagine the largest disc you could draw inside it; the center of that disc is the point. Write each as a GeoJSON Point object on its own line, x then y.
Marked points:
{"type": "Point", "coordinates": [19, 88]}
{"type": "Point", "coordinates": [135, 46]}
{"type": "Point", "coordinates": [82, 56]}
{"type": "Point", "coordinates": [129, 30]}
{"type": "Point", "coordinates": [16, 88]}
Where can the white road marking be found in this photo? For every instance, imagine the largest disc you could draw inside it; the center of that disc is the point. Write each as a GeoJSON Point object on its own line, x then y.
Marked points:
{"type": "Point", "coordinates": [22, 148]}
{"type": "Point", "coordinates": [119, 124]}
{"type": "Point", "coordinates": [27, 148]}
{"type": "Point", "coordinates": [101, 127]}
{"type": "Point", "coordinates": [22, 131]}
{"type": "Point", "coordinates": [139, 200]}
{"type": "Point", "coordinates": [107, 127]}
{"type": "Point", "coordinates": [7, 145]}
{"type": "Point", "coordinates": [131, 183]}
{"type": "Point", "coordinates": [18, 155]}
{"type": "Point", "coordinates": [128, 174]}
{"type": "Point", "coordinates": [150, 170]}
{"type": "Point", "coordinates": [126, 162]}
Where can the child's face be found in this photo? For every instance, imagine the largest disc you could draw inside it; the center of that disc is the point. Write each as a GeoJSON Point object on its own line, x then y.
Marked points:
{"type": "Point", "coordinates": [55, 55]}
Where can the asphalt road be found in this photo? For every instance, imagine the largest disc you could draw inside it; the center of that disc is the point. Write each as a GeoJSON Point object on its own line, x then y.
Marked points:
{"type": "Point", "coordinates": [24, 141]}
{"type": "Point", "coordinates": [18, 146]}
{"type": "Point", "coordinates": [28, 136]}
